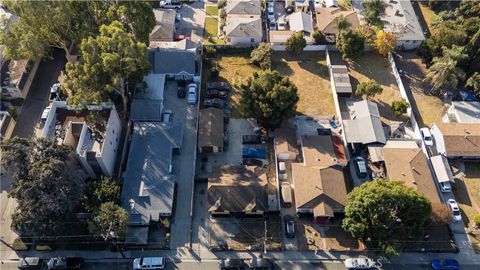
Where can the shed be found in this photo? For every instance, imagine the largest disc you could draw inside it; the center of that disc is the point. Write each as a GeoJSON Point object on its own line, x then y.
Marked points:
{"type": "Point", "coordinates": [441, 169]}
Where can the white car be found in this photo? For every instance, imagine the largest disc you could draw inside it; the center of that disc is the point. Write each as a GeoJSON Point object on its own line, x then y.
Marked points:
{"type": "Point", "coordinates": [150, 263]}
{"type": "Point", "coordinates": [359, 263]}
{"type": "Point", "coordinates": [318, 4]}
{"type": "Point", "coordinates": [282, 173]}
{"type": "Point", "coordinates": [426, 136]}
{"type": "Point", "coordinates": [45, 113]}
{"type": "Point", "coordinates": [445, 186]}
{"type": "Point", "coordinates": [281, 24]}
{"type": "Point", "coordinates": [270, 14]}
{"type": "Point", "coordinates": [192, 94]}
{"type": "Point", "coordinates": [272, 25]}
{"type": "Point", "coordinates": [455, 210]}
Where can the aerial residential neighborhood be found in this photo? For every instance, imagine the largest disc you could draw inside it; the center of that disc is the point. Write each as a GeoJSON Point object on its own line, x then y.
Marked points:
{"type": "Point", "coordinates": [240, 134]}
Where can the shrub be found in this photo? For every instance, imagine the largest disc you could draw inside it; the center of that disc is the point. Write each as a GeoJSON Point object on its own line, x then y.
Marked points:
{"type": "Point", "coordinates": [318, 37]}
{"type": "Point", "coordinates": [44, 248]}
{"type": "Point", "coordinates": [476, 219]}
{"type": "Point", "coordinates": [210, 51]}
{"type": "Point", "coordinates": [19, 245]}
{"type": "Point", "coordinates": [399, 107]}
{"type": "Point", "coordinates": [262, 56]}
{"type": "Point", "coordinates": [214, 71]}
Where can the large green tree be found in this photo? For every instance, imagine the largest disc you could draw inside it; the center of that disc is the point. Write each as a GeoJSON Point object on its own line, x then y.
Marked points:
{"type": "Point", "coordinates": [368, 88]}
{"type": "Point", "coordinates": [262, 56]}
{"type": "Point", "coordinates": [44, 186]}
{"type": "Point", "coordinates": [295, 43]}
{"type": "Point", "coordinates": [372, 10]}
{"type": "Point", "coordinates": [399, 107]}
{"type": "Point", "coordinates": [382, 211]}
{"type": "Point", "coordinates": [351, 44]}
{"type": "Point", "coordinates": [444, 73]}
{"type": "Point", "coordinates": [474, 82]}
{"type": "Point", "coordinates": [270, 98]}
{"type": "Point", "coordinates": [100, 191]}
{"type": "Point", "coordinates": [112, 62]}
{"type": "Point", "coordinates": [341, 23]}
{"type": "Point", "coordinates": [110, 220]}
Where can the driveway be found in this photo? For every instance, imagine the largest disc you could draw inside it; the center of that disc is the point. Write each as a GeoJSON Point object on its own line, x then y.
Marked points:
{"type": "Point", "coordinates": [183, 164]}
{"type": "Point", "coordinates": [193, 19]}
{"type": "Point", "coordinates": [37, 98]}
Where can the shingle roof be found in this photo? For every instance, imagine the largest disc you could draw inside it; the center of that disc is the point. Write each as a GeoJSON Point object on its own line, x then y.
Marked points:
{"type": "Point", "coordinates": [244, 7]}
{"type": "Point", "coordinates": [300, 21]}
{"type": "Point", "coordinates": [210, 130]}
{"type": "Point", "coordinates": [179, 61]}
{"type": "Point", "coordinates": [285, 140]}
{"type": "Point", "coordinates": [461, 139]}
{"type": "Point", "coordinates": [165, 25]}
{"type": "Point", "coordinates": [326, 19]}
{"type": "Point", "coordinates": [366, 126]}
{"type": "Point", "coordinates": [244, 27]}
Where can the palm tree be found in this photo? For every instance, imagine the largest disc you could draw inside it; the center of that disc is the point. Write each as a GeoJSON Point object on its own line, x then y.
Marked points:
{"type": "Point", "coordinates": [456, 53]}
{"type": "Point", "coordinates": [342, 23]}
{"type": "Point", "coordinates": [444, 72]}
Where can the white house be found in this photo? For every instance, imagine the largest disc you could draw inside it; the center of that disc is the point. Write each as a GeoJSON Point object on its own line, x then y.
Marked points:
{"type": "Point", "coordinates": [244, 22]}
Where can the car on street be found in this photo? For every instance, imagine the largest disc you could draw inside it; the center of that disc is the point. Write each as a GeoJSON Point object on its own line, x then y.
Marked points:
{"type": "Point", "coordinates": [192, 94]}
{"type": "Point", "coordinates": [270, 14]}
{"type": "Point", "coordinates": [181, 90]}
{"type": "Point", "coordinates": [231, 264]}
{"type": "Point", "coordinates": [272, 25]}
{"type": "Point", "coordinates": [445, 264]}
{"type": "Point", "coordinates": [58, 263]}
{"type": "Point", "coordinates": [260, 263]}
{"type": "Point", "coordinates": [455, 210]}
{"type": "Point", "coordinates": [252, 162]}
{"type": "Point", "coordinates": [218, 85]}
{"type": "Point", "coordinates": [149, 263]}
{"type": "Point", "coordinates": [360, 166]}
{"type": "Point", "coordinates": [281, 24]}
{"type": "Point", "coordinates": [426, 136]}
{"type": "Point", "coordinates": [176, 4]}
{"type": "Point", "coordinates": [167, 116]}
{"type": "Point", "coordinates": [215, 93]}
{"type": "Point", "coordinates": [30, 263]}
{"type": "Point", "coordinates": [54, 92]}
{"type": "Point", "coordinates": [289, 226]}
{"type": "Point", "coordinates": [359, 263]}
{"type": "Point", "coordinates": [45, 113]}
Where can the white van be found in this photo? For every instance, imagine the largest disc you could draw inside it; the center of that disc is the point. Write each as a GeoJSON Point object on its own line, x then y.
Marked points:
{"type": "Point", "coordinates": [150, 263]}
{"type": "Point", "coordinates": [282, 173]}
{"type": "Point", "coordinates": [286, 192]}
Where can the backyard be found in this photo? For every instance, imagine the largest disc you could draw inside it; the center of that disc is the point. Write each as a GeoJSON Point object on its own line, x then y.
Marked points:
{"type": "Point", "coordinates": [212, 19]}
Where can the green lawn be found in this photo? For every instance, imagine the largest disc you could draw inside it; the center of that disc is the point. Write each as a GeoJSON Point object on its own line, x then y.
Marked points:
{"type": "Point", "coordinates": [211, 10]}
{"type": "Point", "coordinates": [211, 27]}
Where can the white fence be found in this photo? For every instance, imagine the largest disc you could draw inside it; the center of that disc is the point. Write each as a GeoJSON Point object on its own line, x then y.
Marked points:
{"type": "Point", "coordinates": [308, 48]}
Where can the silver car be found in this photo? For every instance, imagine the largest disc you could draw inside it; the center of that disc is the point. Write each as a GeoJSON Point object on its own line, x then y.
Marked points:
{"type": "Point", "coordinates": [192, 94]}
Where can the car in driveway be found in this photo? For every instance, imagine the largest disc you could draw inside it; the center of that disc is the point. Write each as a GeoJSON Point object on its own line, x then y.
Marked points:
{"type": "Point", "coordinates": [218, 85]}
{"type": "Point", "coordinates": [452, 204]}
{"type": "Point", "coordinates": [30, 263]}
{"type": "Point", "coordinates": [181, 93]}
{"type": "Point", "coordinates": [167, 116]}
{"type": "Point", "coordinates": [445, 264]}
{"type": "Point", "coordinates": [272, 25]}
{"type": "Point", "coordinates": [58, 263]}
{"type": "Point", "coordinates": [260, 263]}
{"type": "Point", "coordinates": [216, 103]}
{"type": "Point", "coordinates": [281, 24]}
{"type": "Point", "coordinates": [45, 113]}
{"type": "Point", "coordinates": [289, 226]}
{"type": "Point", "coordinates": [359, 263]}
{"type": "Point", "coordinates": [282, 172]}
{"type": "Point", "coordinates": [149, 263]}
{"type": "Point", "coordinates": [231, 264]}
{"type": "Point", "coordinates": [252, 162]}
{"type": "Point", "coordinates": [445, 187]}
{"type": "Point", "coordinates": [192, 94]}
{"type": "Point", "coordinates": [426, 136]}
{"type": "Point", "coordinates": [270, 14]}
{"type": "Point", "coordinates": [253, 139]}
{"type": "Point", "coordinates": [360, 167]}
{"type": "Point", "coordinates": [215, 93]}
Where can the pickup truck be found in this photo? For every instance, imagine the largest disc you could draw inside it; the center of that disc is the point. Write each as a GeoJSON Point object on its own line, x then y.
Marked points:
{"type": "Point", "coordinates": [58, 263]}
{"type": "Point", "coordinates": [176, 4]}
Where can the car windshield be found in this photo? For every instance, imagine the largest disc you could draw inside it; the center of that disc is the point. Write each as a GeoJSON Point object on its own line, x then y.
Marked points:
{"type": "Point", "coordinates": [456, 212]}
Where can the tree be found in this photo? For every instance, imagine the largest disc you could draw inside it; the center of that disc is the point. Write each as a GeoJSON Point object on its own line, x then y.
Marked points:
{"type": "Point", "coordinates": [110, 220]}
{"type": "Point", "coordinates": [372, 10]}
{"type": "Point", "coordinates": [474, 82]}
{"type": "Point", "coordinates": [101, 191]}
{"type": "Point", "coordinates": [351, 44]}
{"type": "Point", "coordinates": [112, 62]}
{"type": "Point", "coordinates": [446, 35]}
{"type": "Point", "coordinates": [380, 211]}
{"type": "Point", "coordinates": [444, 73]}
{"type": "Point", "coordinates": [269, 97]}
{"type": "Point", "coordinates": [45, 24]}
{"type": "Point", "coordinates": [399, 107]}
{"type": "Point", "coordinates": [385, 42]}
{"type": "Point", "coordinates": [44, 186]}
{"type": "Point", "coordinates": [341, 23]}
{"type": "Point", "coordinates": [262, 56]}
{"type": "Point", "coordinates": [441, 214]}
{"type": "Point", "coordinates": [369, 88]}
{"type": "Point", "coordinates": [318, 37]}
{"type": "Point", "coordinates": [295, 43]}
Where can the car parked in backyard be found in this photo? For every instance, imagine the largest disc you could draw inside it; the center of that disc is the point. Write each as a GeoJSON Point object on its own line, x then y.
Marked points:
{"type": "Point", "coordinates": [252, 162]}
{"type": "Point", "coordinates": [426, 136]}
{"type": "Point", "coordinates": [360, 167]}
{"type": "Point", "coordinates": [253, 139]}
{"type": "Point", "coordinates": [289, 226]}
{"type": "Point", "coordinates": [218, 85]}
{"type": "Point", "coordinates": [192, 94]}
{"type": "Point", "coordinates": [445, 264]}
{"type": "Point", "coordinates": [231, 264]}
{"type": "Point", "coordinates": [452, 204]}
{"type": "Point", "coordinates": [215, 93]}
{"type": "Point", "coordinates": [216, 103]}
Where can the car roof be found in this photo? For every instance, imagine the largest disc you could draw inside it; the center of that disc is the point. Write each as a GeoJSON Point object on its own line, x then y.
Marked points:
{"type": "Point", "coordinates": [152, 260]}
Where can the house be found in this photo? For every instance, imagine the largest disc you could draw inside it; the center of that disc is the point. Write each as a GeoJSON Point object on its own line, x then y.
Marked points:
{"type": "Point", "coordinates": [211, 130]}
{"type": "Point", "coordinates": [410, 166]}
{"type": "Point", "coordinates": [164, 29]}
{"type": "Point", "coordinates": [244, 22]}
{"type": "Point", "coordinates": [149, 181]}
{"type": "Point", "coordinates": [237, 190]}
{"type": "Point", "coordinates": [362, 123]}
{"type": "Point", "coordinates": [340, 80]}
{"type": "Point", "coordinates": [147, 105]}
{"type": "Point", "coordinates": [93, 133]}
{"type": "Point", "coordinates": [301, 22]}
{"type": "Point", "coordinates": [181, 58]}
{"type": "Point", "coordinates": [399, 18]}
{"type": "Point", "coordinates": [467, 112]}
{"type": "Point", "coordinates": [7, 124]}
{"type": "Point", "coordinates": [319, 182]}
{"type": "Point", "coordinates": [326, 18]}
{"type": "Point", "coordinates": [457, 140]}
{"type": "Point", "coordinates": [285, 141]}
{"type": "Point", "coordinates": [300, 5]}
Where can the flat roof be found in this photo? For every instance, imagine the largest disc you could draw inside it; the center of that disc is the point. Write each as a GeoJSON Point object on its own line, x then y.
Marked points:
{"type": "Point", "coordinates": [341, 79]}
{"type": "Point", "coordinates": [365, 125]}
{"type": "Point", "coordinates": [210, 127]}
{"type": "Point", "coordinates": [467, 111]}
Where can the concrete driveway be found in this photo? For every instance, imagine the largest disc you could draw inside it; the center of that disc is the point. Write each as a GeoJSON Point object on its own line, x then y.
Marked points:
{"type": "Point", "coordinates": [193, 19]}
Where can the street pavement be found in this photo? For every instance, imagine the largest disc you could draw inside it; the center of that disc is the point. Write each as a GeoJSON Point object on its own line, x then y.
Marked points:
{"type": "Point", "coordinates": [37, 98]}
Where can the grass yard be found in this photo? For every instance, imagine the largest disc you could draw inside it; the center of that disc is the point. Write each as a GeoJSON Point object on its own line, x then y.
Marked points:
{"type": "Point", "coordinates": [211, 10]}
{"type": "Point", "coordinates": [211, 27]}
{"type": "Point", "coordinates": [428, 14]}
{"type": "Point", "coordinates": [372, 66]}
{"type": "Point", "coordinates": [309, 73]}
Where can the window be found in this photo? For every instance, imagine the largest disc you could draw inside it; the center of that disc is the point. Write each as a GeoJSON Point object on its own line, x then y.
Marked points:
{"type": "Point", "coordinates": [252, 40]}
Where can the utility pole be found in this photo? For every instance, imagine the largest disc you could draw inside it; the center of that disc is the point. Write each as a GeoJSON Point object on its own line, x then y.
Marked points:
{"type": "Point", "coordinates": [265, 238]}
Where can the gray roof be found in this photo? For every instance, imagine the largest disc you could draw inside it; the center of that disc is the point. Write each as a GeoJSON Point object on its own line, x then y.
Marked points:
{"type": "Point", "coordinates": [172, 61]}
{"type": "Point", "coordinates": [467, 111]}
{"type": "Point", "coordinates": [365, 125]}
{"type": "Point", "coordinates": [300, 21]}
{"type": "Point", "coordinates": [210, 130]}
{"type": "Point", "coordinates": [148, 184]}
{"type": "Point", "coordinates": [244, 7]}
{"type": "Point", "coordinates": [341, 80]}
{"type": "Point", "coordinates": [237, 199]}
{"type": "Point", "coordinates": [147, 105]}
{"type": "Point", "coordinates": [244, 27]}
{"type": "Point", "coordinates": [165, 25]}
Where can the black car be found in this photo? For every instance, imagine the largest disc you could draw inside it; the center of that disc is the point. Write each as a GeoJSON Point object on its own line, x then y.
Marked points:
{"type": "Point", "coordinates": [253, 139]}
{"type": "Point", "coordinates": [216, 103]}
{"type": "Point", "coordinates": [219, 86]}
{"type": "Point", "coordinates": [289, 226]}
{"type": "Point", "coordinates": [252, 162]}
{"type": "Point", "coordinates": [30, 263]}
{"type": "Point", "coordinates": [257, 263]}
{"type": "Point", "coordinates": [231, 264]}
{"type": "Point", "coordinates": [181, 93]}
{"type": "Point", "coordinates": [58, 263]}
{"type": "Point", "coordinates": [214, 93]}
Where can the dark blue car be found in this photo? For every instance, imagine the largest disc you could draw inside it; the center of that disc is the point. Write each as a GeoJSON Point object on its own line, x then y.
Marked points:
{"type": "Point", "coordinates": [446, 264]}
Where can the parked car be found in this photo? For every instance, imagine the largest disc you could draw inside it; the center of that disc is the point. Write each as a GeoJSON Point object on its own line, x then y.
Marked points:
{"type": "Point", "coordinates": [359, 263]}
{"type": "Point", "coordinates": [30, 263]}
{"type": "Point", "coordinates": [426, 136]}
{"type": "Point", "coordinates": [218, 85]}
{"type": "Point", "coordinates": [65, 263]}
{"type": "Point", "coordinates": [216, 103]}
{"type": "Point", "coordinates": [281, 24]}
{"type": "Point", "coordinates": [360, 167]}
{"type": "Point", "coordinates": [282, 173]}
{"type": "Point", "coordinates": [192, 94]}
{"type": "Point", "coordinates": [167, 116]}
{"type": "Point", "coordinates": [252, 162]}
{"type": "Point", "coordinates": [286, 192]}
{"type": "Point", "coordinates": [318, 4]}
{"type": "Point", "coordinates": [45, 113]}
{"type": "Point", "coordinates": [289, 226]}
{"type": "Point", "coordinates": [54, 92]}
{"type": "Point", "coordinates": [272, 25]}
{"type": "Point", "coordinates": [176, 4]}
{"type": "Point", "coordinates": [445, 186]}
{"type": "Point", "coordinates": [181, 90]}
{"type": "Point", "coordinates": [253, 139]}
{"type": "Point", "coordinates": [270, 14]}
{"type": "Point", "coordinates": [215, 93]}
{"type": "Point", "coordinates": [455, 210]}
{"type": "Point", "coordinates": [150, 263]}
{"type": "Point", "coordinates": [257, 263]}
{"type": "Point", "coordinates": [231, 264]}
{"type": "Point", "coordinates": [445, 264]}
